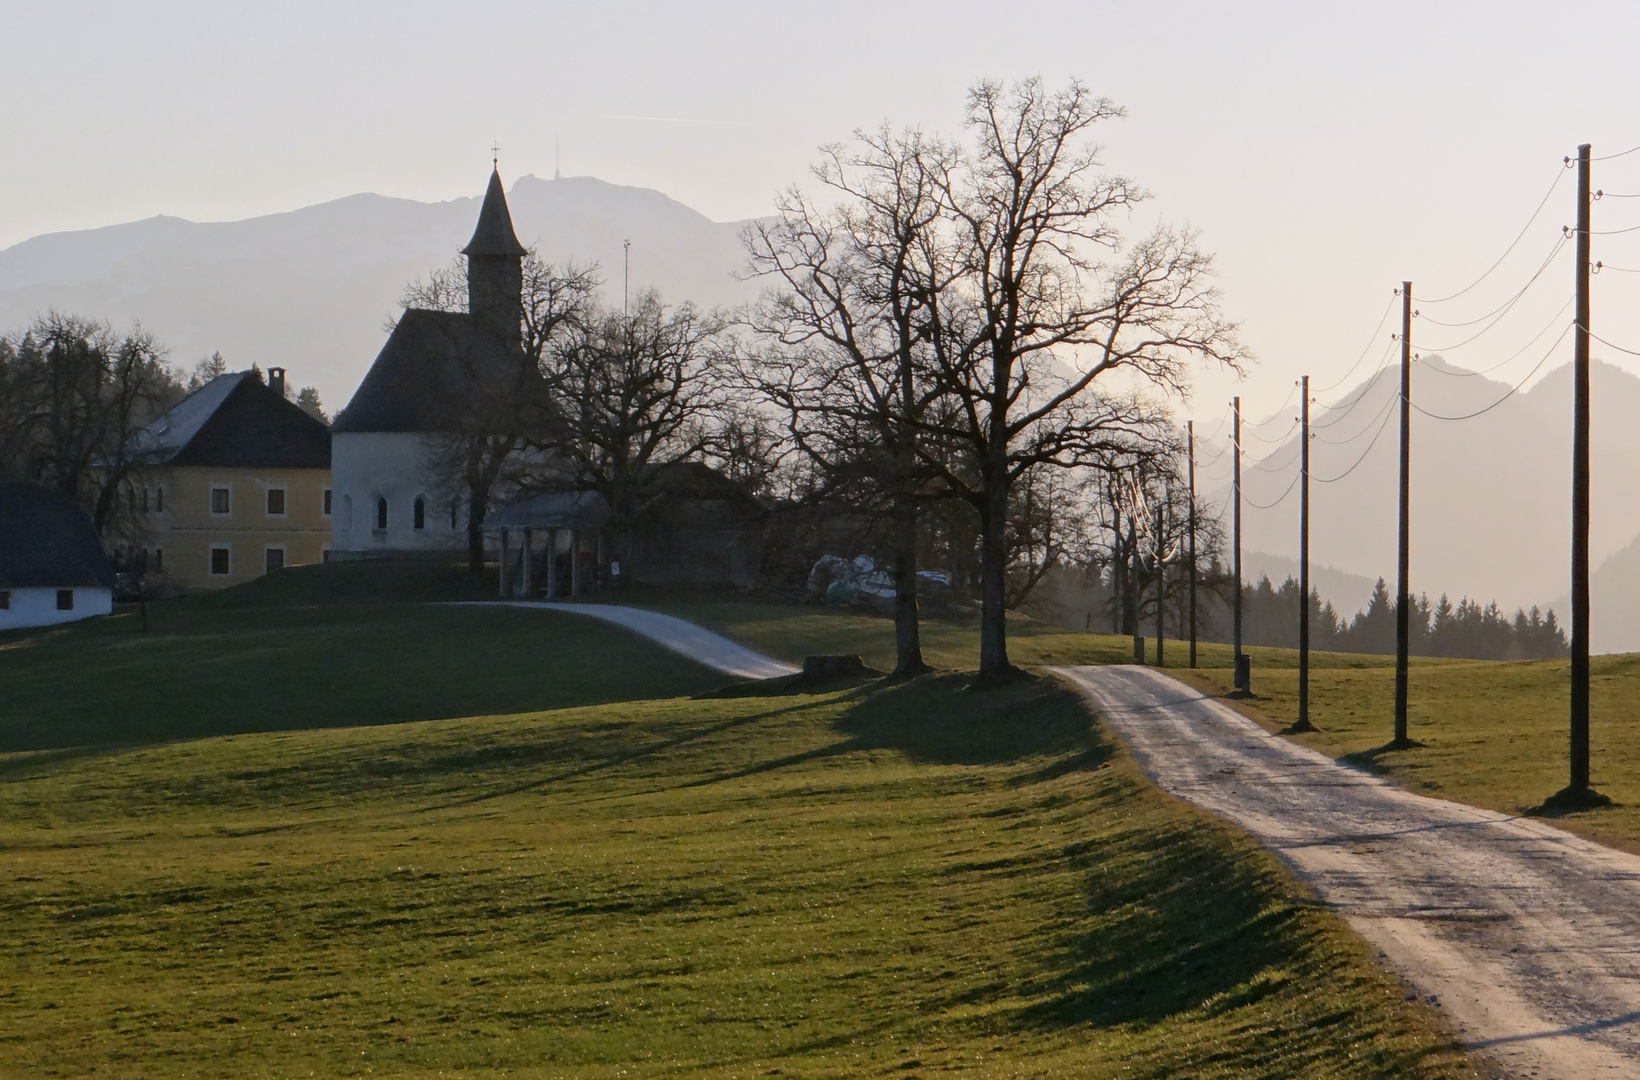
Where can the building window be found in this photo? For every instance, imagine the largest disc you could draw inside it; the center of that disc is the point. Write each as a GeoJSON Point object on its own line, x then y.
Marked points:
{"type": "Point", "coordinates": [347, 513]}
{"type": "Point", "coordinates": [65, 599]}
{"type": "Point", "coordinates": [273, 559]}
{"type": "Point", "coordinates": [381, 513]}
{"type": "Point", "coordinates": [145, 500]}
{"type": "Point", "coordinates": [276, 502]}
{"type": "Point", "coordinates": [159, 559]}
{"type": "Point", "coordinates": [220, 563]}
{"type": "Point", "coordinates": [420, 512]}
{"type": "Point", "coordinates": [454, 505]}
{"type": "Point", "coordinates": [324, 554]}
{"type": "Point", "coordinates": [327, 502]}
{"type": "Point", "coordinates": [5, 599]}
{"type": "Point", "coordinates": [220, 503]}
{"type": "Point", "coordinates": [159, 499]}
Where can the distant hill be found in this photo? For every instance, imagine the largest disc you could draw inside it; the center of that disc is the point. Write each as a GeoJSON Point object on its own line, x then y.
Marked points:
{"type": "Point", "coordinates": [1348, 593]}
{"type": "Point", "coordinates": [310, 289]}
{"type": "Point", "coordinates": [1491, 500]}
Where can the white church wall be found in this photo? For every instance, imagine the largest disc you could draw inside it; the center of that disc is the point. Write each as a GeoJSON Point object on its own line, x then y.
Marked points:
{"type": "Point", "coordinates": [367, 467]}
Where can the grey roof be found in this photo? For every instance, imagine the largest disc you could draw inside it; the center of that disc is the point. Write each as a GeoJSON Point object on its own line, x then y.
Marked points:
{"type": "Point", "coordinates": [552, 510]}
{"type": "Point", "coordinates": [47, 541]}
{"type": "Point", "coordinates": [424, 376]}
{"type": "Point", "coordinates": [494, 234]}
{"type": "Point", "coordinates": [234, 421]}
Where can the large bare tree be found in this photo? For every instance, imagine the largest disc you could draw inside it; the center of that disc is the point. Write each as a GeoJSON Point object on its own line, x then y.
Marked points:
{"type": "Point", "coordinates": [845, 329]}
{"type": "Point", "coordinates": [1045, 303]}
{"type": "Point", "coordinates": [628, 391]}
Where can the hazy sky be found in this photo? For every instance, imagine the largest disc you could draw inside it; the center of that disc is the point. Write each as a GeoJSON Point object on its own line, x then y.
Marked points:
{"type": "Point", "coordinates": [1324, 153]}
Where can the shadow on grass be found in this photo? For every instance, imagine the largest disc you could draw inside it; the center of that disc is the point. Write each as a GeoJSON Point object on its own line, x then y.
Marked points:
{"type": "Point", "coordinates": [1372, 760]}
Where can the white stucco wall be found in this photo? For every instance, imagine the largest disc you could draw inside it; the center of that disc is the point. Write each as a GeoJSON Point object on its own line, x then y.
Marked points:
{"type": "Point", "coordinates": [367, 466]}
{"type": "Point", "coordinates": [38, 607]}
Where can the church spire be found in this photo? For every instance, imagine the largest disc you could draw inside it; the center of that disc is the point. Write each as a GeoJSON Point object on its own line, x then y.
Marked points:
{"type": "Point", "coordinates": [494, 235]}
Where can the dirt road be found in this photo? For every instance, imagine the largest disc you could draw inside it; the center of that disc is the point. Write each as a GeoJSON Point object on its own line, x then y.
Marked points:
{"type": "Point", "coordinates": [1528, 937]}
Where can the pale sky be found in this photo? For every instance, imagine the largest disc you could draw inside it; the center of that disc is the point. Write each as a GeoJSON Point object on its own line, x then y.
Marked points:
{"type": "Point", "coordinates": [1325, 154]}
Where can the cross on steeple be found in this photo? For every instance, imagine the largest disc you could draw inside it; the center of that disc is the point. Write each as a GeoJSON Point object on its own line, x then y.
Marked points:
{"type": "Point", "coordinates": [495, 152]}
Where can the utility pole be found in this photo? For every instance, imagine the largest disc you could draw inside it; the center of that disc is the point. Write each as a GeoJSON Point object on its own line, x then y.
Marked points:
{"type": "Point", "coordinates": [1190, 438]}
{"type": "Point", "coordinates": [1402, 606]}
{"type": "Point", "coordinates": [1303, 722]}
{"type": "Point", "coordinates": [1579, 786]}
{"type": "Point", "coordinates": [1241, 680]}
{"type": "Point", "coordinates": [1161, 577]}
{"type": "Point", "coordinates": [1134, 585]}
{"type": "Point", "coordinates": [626, 273]}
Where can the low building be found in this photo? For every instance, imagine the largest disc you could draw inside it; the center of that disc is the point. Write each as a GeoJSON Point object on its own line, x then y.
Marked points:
{"type": "Point", "coordinates": [52, 566]}
{"type": "Point", "coordinates": [235, 482]}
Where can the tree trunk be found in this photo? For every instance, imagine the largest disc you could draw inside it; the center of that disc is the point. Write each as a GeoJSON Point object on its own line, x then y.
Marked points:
{"type": "Point", "coordinates": [993, 565]}
{"type": "Point", "coordinates": [908, 658]}
{"type": "Point", "coordinates": [475, 533]}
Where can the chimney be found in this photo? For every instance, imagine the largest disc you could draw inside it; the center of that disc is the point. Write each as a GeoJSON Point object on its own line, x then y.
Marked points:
{"type": "Point", "coordinates": [276, 380]}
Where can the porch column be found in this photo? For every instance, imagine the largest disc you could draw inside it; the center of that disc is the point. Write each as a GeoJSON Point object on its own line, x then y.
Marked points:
{"type": "Point", "coordinates": [502, 565]}
{"type": "Point", "coordinates": [528, 576]}
{"type": "Point", "coordinates": [575, 583]}
{"type": "Point", "coordinates": [552, 564]}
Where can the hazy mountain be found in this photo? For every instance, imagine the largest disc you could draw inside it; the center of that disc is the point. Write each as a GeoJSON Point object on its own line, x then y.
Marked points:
{"type": "Point", "coordinates": [1491, 496]}
{"type": "Point", "coordinates": [309, 289]}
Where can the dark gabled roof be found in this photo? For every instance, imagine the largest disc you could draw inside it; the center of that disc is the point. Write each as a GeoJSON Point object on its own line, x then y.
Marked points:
{"type": "Point", "coordinates": [235, 422]}
{"type": "Point", "coordinates": [552, 510]}
{"type": "Point", "coordinates": [47, 541]}
{"type": "Point", "coordinates": [494, 235]}
{"type": "Point", "coordinates": [421, 378]}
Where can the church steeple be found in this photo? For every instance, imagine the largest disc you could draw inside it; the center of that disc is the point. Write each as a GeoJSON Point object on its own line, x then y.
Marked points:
{"type": "Point", "coordinates": [495, 268]}
{"type": "Point", "coordinates": [494, 235]}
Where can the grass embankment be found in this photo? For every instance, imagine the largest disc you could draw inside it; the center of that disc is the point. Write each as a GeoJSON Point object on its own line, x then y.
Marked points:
{"type": "Point", "coordinates": [219, 665]}
{"type": "Point", "coordinates": [882, 881]}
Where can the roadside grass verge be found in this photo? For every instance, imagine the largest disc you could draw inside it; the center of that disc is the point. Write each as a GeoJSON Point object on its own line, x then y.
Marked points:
{"type": "Point", "coordinates": [884, 881]}
{"type": "Point", "coordinates": [1494, 733]}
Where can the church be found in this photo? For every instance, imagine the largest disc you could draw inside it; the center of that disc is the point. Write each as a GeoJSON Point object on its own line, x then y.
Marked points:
{"type": "Point", "coordinates": [390, 445]}
{"type": "Point", "coordinates": [398, 492]}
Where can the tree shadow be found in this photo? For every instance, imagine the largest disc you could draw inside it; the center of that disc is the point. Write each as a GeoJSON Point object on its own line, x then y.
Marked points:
{"type": "Point", "coordinates": [1372, 760]}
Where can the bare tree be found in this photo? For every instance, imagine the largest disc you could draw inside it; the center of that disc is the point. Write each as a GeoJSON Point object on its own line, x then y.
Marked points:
{"type": "Point", "coordinates": [629, 391]}
{"type": "Point", "coordinates": [1032, 319]}
{"type": "Point", "coordinates": [846, 333]}
{"type": "Point", "coordinates": [75, 394]}
{"type": "Point", "coordinates": [506, 383]}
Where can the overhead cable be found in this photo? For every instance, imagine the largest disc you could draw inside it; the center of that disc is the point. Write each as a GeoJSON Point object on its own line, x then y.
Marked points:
{"type": "Point", "coordinates": [1513, 389]}
{"type": "Point", "coordinates": [1382, 425]}
{"type": "Point", "coordinates": [1283, 495]}
{"type": "Point", "coordinates": [1453, 296]}
{"type": "Point", "coordinates": [1555, 250]}
{"type": "Point", "coordinates": [1375, 331]}
{"type": "Point", "coordinates": [1550, 325]}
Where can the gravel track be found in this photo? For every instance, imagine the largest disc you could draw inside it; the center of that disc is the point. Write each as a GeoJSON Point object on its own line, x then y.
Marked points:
{"type": "Point", "coordinates": [1526, 936]}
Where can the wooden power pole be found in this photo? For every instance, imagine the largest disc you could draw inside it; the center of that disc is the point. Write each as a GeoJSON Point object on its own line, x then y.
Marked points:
{"type": "Point", "coordinates": [1241, 680]}
{"type": "Point", "coordinates": [1161, 575]}
{"type": "Point", "coordinates": [1579, 785]}
{"type": "Point", "coordinates": [1303, 722]}
{"type": "Point", "coordinates": [1190, 439]}
{"type": "Point", "coordinates": [1402, 598]}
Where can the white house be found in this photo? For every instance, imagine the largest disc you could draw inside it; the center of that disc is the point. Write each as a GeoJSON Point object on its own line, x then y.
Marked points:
{"type": "Point", "coordinates": [52, 566]}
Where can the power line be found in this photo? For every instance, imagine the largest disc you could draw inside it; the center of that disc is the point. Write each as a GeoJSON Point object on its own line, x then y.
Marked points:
{"type": "Point", "coordinates": [1275, 440]}
{"type": "Point", "coordinates": [1382, 425]}
{"type": "Point", "coordinates": [1342, 378]}
{"type": "Point", "coordinates": [1507, 303]}
{"type": "Point", "coordinates": [1609, 345]}
{"type": "Point", "coordinates": [1269, 506]}
{"type": "Point", "coordinates": [1388, 403]}
{"type": "Point", "coordinates": [1453, 296]}
{"type": "Point", "coordinates": [1277, 412]}
{"type": "Point", "coordinates": [1608, 157]}
{"type": "Point", "coordinates": [1550, 325]}
{"type": "Point", "coordinates": [1262, 467]}
{"type": "Point", "coordinates": [1509, 306]}
{"type": "Point", "coordinates": [1366, 387]}
{"type": "Point", "coordinates": [1513, 389]}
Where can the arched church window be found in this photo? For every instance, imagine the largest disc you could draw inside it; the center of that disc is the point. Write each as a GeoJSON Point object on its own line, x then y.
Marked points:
{"type": "Point", "coordinates": [381, 513]}
{"type": "Point", "coordinates": [420, 512]}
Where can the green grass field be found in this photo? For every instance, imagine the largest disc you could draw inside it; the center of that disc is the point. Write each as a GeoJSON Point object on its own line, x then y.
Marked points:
{"type": "Point", "coordinates": [875, 882]}
{"type": "Point", "coordinates": [309, 828]}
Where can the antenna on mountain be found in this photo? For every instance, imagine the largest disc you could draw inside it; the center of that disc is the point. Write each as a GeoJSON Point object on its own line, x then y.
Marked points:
{"type": "Point", "coordinates": [556, 175]}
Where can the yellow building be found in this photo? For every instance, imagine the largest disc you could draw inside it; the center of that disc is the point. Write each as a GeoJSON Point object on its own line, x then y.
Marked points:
{"type": "Point", "coordinates": [235, 483]}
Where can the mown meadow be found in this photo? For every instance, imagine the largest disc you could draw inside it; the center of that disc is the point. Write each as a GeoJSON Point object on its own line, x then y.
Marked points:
{"type": "Point", "coordinates": [618, 871]}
